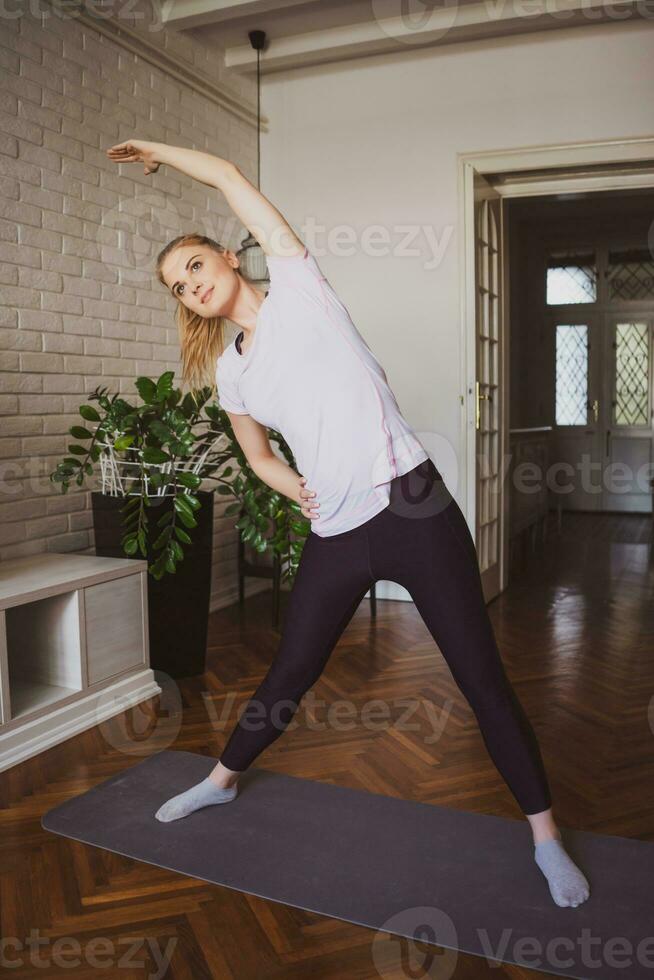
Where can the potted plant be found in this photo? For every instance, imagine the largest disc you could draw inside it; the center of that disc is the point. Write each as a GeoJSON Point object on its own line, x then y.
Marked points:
{"type": "Point", "coordinates": [153, 458]}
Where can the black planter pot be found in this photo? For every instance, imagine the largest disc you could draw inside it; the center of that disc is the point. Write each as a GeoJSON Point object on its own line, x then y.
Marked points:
{"type": "Point", "coordinates": [178, 605]}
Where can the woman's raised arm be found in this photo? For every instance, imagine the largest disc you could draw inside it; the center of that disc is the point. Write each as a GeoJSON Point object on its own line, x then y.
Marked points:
{"type": "Point", "coordinates": [259, 216]}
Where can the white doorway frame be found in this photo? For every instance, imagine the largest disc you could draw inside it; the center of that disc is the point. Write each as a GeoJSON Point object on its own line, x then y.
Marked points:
{"type": "Point", "coordinates": [523, 165]}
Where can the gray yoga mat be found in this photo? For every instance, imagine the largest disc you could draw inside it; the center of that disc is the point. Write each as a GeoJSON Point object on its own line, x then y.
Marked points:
{"type": "Point", "coordinates": [459, 880]}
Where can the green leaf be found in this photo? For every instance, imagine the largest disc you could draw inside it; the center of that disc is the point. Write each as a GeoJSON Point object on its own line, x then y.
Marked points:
{"type": "Point", "coordinates": [146, 389]}
{"type": "Point", "coordinates": [189, 405]}
{"type": "Point", "coordinates": [130, 546]}
{"type": "Point", "coordinates": [163, 537]}
{"type": "Point", "coordinates": [89, 413]}
{"type": "Point", "coordinates": [182, 505]}
{"type": "Point", "coordinates": [186, 520]}
{"type": "Point", "coordinates": [165, 384]}
{"type": "Point", "coordinates": [142, 543]}
{"type": "Point", "coordinates": [79, 432]}
{"type": "Point", "coordinates": [182, 535]}
{"type": "Point", "coordinates": [157, 567]}
{"type": "Point", "coordinates": [123, 442]}
{"type": "Point", "coordinates": [190, 480]}
{"type": "Point", "coordinates": [77, 450]}
{"type": "Point", "coordinates": [180, 448]}
{"type": "Point", "coordinates": [161, 431]}
{"type": "Point", "coordinates": [153, 455]}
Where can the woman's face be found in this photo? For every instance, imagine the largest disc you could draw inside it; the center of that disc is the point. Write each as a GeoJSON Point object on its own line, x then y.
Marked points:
{"type": "Point", "coordinates": [202, 279]}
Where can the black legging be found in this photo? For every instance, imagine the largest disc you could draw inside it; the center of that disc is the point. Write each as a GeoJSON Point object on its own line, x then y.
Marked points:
{"type": "Point", "coordinates": [420, 540]}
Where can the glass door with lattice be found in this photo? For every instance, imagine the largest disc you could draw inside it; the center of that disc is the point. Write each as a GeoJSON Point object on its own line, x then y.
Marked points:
{"type": "Point", "coordinates": [600, 302]}
{"type": "Point", "coordinates": [489, 383]}
{"type": "Point", "coordinates": [627, 459]}
{"type": "Point", "coordinates": [574, 477]}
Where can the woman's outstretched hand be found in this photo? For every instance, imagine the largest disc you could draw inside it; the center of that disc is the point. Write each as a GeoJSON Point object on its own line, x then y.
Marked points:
{"type": "Point", "coordinates": [136, 151]}
{"type": "Point", "coordinates": [305, 501]}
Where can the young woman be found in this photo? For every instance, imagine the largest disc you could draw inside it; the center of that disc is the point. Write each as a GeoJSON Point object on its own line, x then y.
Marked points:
{"type": "Point", "coordinates": [379, 507]}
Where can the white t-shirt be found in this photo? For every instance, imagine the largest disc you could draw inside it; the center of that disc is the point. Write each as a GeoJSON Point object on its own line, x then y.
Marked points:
{"type": "Point", "coordinates": [309, 374]}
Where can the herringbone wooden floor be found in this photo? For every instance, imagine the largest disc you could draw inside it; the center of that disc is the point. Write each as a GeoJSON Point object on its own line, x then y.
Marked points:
{"type": "Point", "coordinates": [575, 629]}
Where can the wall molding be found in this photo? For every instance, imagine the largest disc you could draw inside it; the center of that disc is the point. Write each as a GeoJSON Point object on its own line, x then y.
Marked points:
{"type": "Point", "coordinates": [135, 42]}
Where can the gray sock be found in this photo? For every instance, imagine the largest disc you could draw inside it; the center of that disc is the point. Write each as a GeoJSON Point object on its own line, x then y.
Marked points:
{"type": "Point", "coordinates": [568, 886]}
{"type": "Point", "coordinates": [202, 794]}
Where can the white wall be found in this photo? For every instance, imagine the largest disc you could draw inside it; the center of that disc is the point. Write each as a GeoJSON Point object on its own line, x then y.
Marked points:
{"type": "Point", "coordinates": [363, 143]}
{"type": "Point", "coordinates": [78, 306]}
{"type": "Point", "coordinates": [374, 142]}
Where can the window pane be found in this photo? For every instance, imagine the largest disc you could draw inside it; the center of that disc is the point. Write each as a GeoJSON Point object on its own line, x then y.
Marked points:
{"type": "Point", "coordinates": [631, 373]}
{"type": "Point", "coordinates": [571, 374]}
{"type": "Point", "coordinates": [631, 274]}
{"type": "Point", "coordinates": [571, 278]}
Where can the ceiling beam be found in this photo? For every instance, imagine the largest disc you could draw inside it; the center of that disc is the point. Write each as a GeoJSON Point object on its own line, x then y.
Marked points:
{"type": "Point", "coordinates": [454, 23]}
{"type": "Point", "coordinates": [182, 14]}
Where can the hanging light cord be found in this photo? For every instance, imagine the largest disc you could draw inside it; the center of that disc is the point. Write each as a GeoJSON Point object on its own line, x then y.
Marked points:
{"type": "Point", "coordinates": [258, 122]}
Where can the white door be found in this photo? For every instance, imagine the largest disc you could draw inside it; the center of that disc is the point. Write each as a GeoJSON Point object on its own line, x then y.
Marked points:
{"type": "Point", "coordinates": [579, 407]}
{"type": "Point", "coordinates": [489, 384]}
{"type": "Point", "coordinates": [627, 416]}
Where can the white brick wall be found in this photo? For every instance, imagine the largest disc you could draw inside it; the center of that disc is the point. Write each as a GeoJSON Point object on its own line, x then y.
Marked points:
{"type": "Point", "coordinates": [79, 304]}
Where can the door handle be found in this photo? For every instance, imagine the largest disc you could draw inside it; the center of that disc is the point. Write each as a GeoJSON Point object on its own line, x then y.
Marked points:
{"type": "Point", "coordinates": [594, 408]}
{"type": "Point", "coordinates": [478, 398]}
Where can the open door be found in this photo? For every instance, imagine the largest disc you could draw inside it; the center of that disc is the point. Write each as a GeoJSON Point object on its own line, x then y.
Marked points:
{"type": "Point", "coordinates": [489, 395]}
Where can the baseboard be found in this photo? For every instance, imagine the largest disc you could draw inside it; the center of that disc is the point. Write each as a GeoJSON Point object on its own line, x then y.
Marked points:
{"type": "Point", "coordinates": [27, 740]}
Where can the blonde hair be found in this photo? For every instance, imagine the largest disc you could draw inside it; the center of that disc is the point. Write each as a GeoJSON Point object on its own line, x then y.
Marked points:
{"type": "Point", "coordinates": [201, 339]}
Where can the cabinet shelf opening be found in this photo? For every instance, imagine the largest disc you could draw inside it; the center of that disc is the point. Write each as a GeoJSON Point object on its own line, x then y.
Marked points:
{"type": "Point", "coordinates": [44, 655]}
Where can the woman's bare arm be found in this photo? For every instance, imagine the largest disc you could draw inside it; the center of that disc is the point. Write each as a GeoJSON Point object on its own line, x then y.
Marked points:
{"type": "Point", "coordinates": [259, 216]}
{"type": "Point", "coordinates": [253, 440]}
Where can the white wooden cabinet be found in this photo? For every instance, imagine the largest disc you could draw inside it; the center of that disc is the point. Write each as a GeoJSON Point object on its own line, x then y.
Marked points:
{"type": "Point", "coordinates": [73, 647]}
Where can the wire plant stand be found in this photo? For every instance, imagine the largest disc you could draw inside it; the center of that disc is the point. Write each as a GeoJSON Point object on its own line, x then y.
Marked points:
{"type": "Point", "coordinates": [124, 473]}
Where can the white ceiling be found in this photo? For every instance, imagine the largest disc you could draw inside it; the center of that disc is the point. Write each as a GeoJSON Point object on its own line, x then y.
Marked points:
{"type": "Point", "coordinates": [311, 32]}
